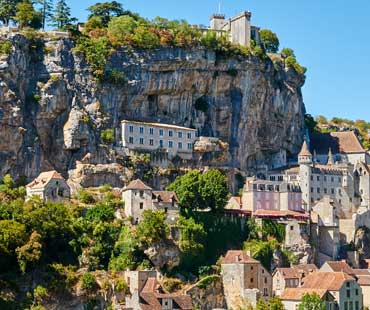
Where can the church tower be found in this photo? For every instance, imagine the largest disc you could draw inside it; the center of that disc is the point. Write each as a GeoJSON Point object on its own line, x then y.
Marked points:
{"type": "Point", "coordinates": [305, 171]}
{"type": "Point", "coordinates": [305, 156]}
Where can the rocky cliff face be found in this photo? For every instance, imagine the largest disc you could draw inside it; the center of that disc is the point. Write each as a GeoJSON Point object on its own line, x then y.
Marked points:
{"type": "Point", "coordinates": [52, 111]}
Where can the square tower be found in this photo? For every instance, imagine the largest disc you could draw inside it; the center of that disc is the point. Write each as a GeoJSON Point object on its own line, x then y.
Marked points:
{"type": "Point", "coordinates": [217, 22]}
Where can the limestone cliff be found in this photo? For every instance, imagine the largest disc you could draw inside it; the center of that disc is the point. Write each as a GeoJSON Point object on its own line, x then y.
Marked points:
{"type": "Point", "coordinates": [52, 111]}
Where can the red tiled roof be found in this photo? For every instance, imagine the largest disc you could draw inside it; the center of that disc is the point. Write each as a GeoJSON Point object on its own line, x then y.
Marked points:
{"type": "Point", "coordinates": [361, 272]}
{"type": "Point", "coordinates": [306, 268]}
{"type": "Point", "coordinates": [363, 280]}
{"type": "Point", "coordinates": [280, 213]}
{"type": "Point", "coordinates": [338, 142]}
{"type": "Point", "coordinates": [298, 292]}
{"type": "Point", "coordinates": [332, 281]}
{"type": "Point", "coordinates": [165, 196]}
{"type": "Point", "coordinates": [238, 257]}
{"type": "Point", "coordinates": [338, 266]}
{"type": "Point", "coordinates": [137, 184]}
{"type": "Point", "coordinates": [288, 273]}
{"type": "Point", "coordinates": [44, 178]}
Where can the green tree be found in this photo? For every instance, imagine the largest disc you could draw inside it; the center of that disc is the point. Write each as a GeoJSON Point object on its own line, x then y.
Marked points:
{"type": "Point", "coordinates": [269, 40]}
{"type": "Point", "coordinates": [261, 305]}
{"type": "Point", "coordinates": [310, 123]}
{"type": "Point", "coordinates": [26, 16]}
{"type": "Point", "coordinates": [62, 15]}
{"type": "Point", "coordinates": [275, 304]}
{"type": "Point", "coordinates": [8, 9]}
{"type": "Point", "coordinates": [145, 38]}
{"type": "Point", "coordinates": [312, 302]}
{"type": "Point", "coordinates": [12, 235]}
{"type": "Point", "coordinates": [46, 11]}
{"type": "Point", "coordinates": [106, 10]}
{"type": "Point", "coordinates": [120, 29]}
{"type": "Point", "coordinates": [152, 228]}
{"type": "Point", "coordinates": [214, 189]}
{"type": "Point", "coordinates": [286, 52]}
{"type": "Point", "coordinates": [30, 252]}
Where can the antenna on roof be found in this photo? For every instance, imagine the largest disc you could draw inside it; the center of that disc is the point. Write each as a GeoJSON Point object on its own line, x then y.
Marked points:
{"type": "Point", "coordinates": [219, 7]}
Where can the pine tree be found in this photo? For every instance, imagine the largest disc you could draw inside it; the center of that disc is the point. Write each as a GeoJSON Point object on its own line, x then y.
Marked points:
{"type": "Point", "coordinates": [46, 10]}
{"type": "Point", "coordinates": [62, 15]}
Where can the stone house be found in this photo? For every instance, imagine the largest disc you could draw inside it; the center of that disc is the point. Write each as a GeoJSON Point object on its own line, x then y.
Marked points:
{"type": "Point", "coordinates": [363, 280]}
{"type": "Point", "coordinates": [292, 297]}
{"type": "Point", "coordinates": [291, 277]}
{"type": "Point", "coordinates": [146, 293]}
{"type": "Point", "coordinates": [49, 186]}
{"type": "Point", "coordinates": [139, 197]}
{"type": "Point", "coordinates": [344, 288]}
{"type": "Point", "coordinates": [244, 279]}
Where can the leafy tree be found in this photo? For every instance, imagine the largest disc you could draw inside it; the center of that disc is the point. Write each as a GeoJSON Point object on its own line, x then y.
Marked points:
{"type": "Point", "coordinates": [145, 38]}
{"type": "Point", "coordinates": [275, 304]}
{"type": "Point", "coordinates": [88, 281]}
{"type": "Point", "coordinates": [310, 123]}
{"type": "Point", "coordinates": [30, 252]}
{"type": "Point", "coordinates": [120, 29]}
{"type": "Point", "coordinates": [261, 305]}
{"type": "Point", "coordinates": [106, 10]}
{"type": "Point", "coordinates": [269, 40]}
{"type": "Point", "coordinates": [12, 235]}
{"type": "Point", "coordinates": [262, 250]}
{"type": "Point", "coordinates": [214, 190]}
{"type": "Point", "coordinates": [62, 15]}
{"type": "Point", "coordinates": [107, 136]}
{"type": "Point", "coordinates": [8, 9]}
{"type": "Point", "coordinates": [286, 52]}
{"type": "Point", "coordinates": [320, 119]}
{"type": "Point", "coordinates": [312, 302]}
{"type": "Point", "coordinates": [152, 228]}
{"type": "Point", "coordinates": [26, 16]}
{"type": "Point", "coordinates": [100, 212]}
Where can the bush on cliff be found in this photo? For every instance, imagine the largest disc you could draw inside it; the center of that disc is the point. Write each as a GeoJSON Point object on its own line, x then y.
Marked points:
{"type": "Point", "coordinates": [269, 40]}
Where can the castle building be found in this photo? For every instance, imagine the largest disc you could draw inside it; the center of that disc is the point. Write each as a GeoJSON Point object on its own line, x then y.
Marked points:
{"type": "Point", "coordinates": [244, 279]}
{"type": "Point", "coordinates": [49, 186]}
{"type": "Point", "coordinates": [239, 28]}
{"type": "Point", "coordinates": [149, 137]}
{"type": "Point", "coordinates": [139, 197]}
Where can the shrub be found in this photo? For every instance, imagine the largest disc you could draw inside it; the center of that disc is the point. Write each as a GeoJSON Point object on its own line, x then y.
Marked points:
{"type": "Point", "coordinates": [207, 281]}
{"type": "Point", "coordinates": [107, 136]}
{"type": "Point", "coordinates": [5, 47]}
{"type": "Point", "coordinates": [269, 40]}
{"type": "Point", "coordinates": [40, 293]}
{"type": "Point", "coordinates": [114, 76]}
{"type": "Point", "coordinates": [286, 52]}
{"type": "Point", "coordinates": [120, 285]}
{"type": "Point", "coordinates": [144, 38]}
{"type": "Point", "coordinates": [85, 197]}
{"type": "Point", "coordinates": [88, 281]}
{"type": "Point", "coordinates": [172, 284]}
{"type": "Point", "coordinates": [292, 63]}
{"type": "Point", "coordinates": [201, 104]}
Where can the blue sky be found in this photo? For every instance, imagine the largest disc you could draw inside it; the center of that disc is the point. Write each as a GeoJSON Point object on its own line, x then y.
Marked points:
{"type": "Point", "coordinates": [329, 37]}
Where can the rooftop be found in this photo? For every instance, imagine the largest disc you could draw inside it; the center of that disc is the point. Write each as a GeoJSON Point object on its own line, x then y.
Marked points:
{"type": "Point", "coordinates": [162, 125]}
{"type": "Point", "coordinates": [137, 185]}
{"type": "Point", "coordinates": [299, 292]}
{"type": "Point", "coordinates": [339, 142]}
{"type": "Point", "coordinates": [44, 178]}
{"type": "Point", "coordinates": [238, 257]}
{"type": "Point", "coordinates": [281, 213]}
{"type": "Point", "coordinates": [165, 196]}
{"type": "Point", "coordinates": [338, 266]}
{"type": "Point", "coordinates": [304, 150]}
{"type": "Point", "coordinates": [332, 281]}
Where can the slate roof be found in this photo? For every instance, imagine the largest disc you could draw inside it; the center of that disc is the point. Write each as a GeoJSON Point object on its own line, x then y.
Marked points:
{"type": "Point", "coordinates": [339, 142]}
{"type": "Point", "coordinates": [298, 292]}
{"type": "Point", "coordinates": [238, 256]}
{"type": "Point", "coordinates": [44, 178]}
{"type": "Point", "coordinates": [137, 185]}
{"type": "Point", "coordinates": [332, 281]}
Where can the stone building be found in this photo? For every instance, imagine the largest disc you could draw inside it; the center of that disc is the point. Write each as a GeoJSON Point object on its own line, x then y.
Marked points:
{"type": "Point", "coordinates": [244, 279]}
{"type": "Point", "coordinates": [363, 280]}
{"type": "Point", "coordinates": [238, 28]}
{"type": "Point", "coordinates": [337, 266]}
{"type": "Point", "coordinates": [146, 293]}
{"type": "Point", "coordinates": [139, 197]}
{"type": "Point", "coordinates": [291, 277]}
{"type": "Point", "coordinates": [346, 291]}
{"type": "Point", "coordinates": [292, 297]}
{"type": "Point", "coordinates": [49, 186]}
{"type": "Point", "coordinates": [150, 137]}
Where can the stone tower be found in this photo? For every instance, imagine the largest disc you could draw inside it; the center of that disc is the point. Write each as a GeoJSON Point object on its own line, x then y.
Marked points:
{"type": "Point", "coordinates": [305, 170]}
{"type": "Point", "coordinates": [330, 158]}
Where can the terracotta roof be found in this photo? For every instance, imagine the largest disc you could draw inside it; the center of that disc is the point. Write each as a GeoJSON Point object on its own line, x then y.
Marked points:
{"type": "Point", "coordinates": [361, 272]}
{"type": "Point", "coordinates": [340, 266]}
{"type": "Point", "coordinates": [298, 292]}
{"type": "Point", "coordinates": [137, 184]}
{"type": "Point", "coordinates": [238, 257]}
{"type": "Point", "coordinates": [332, 281]}
{"type": "Point", "coordinates": [304, 150]}
{"type": "Point", "coordinates": [338, 142]}
{"type": "Point", "coordinates": [280, 213]}
{"type": "Point", "coordinates": [44, 178]}
{"type": "Point", "coordinates": [363, 280]}
{"type": "Point", "coordinates": [306, 268]}
{"type": "Point", "coordinates": [295, 272]}
{"type": "Point", "coordinates": [288, 273]}
{"type": "Point", "coordinates": [152, 293]}
{"type": "Point", "coordinates": [165, 196]}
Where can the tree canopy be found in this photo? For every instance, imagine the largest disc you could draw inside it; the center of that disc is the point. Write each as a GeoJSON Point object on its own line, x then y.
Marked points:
{"type": "Point", "coordinates": [105, 11]}
{"type": "Point", "coordinates": [269, 40]}
{"type": "Point", "coordinates": [312, 302]}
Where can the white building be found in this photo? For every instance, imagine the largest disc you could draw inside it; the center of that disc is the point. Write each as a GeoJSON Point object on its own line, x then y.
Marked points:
{"type": "Point", "coordinates": [172, 139]}
{"type": "Point", "coordinates": [239, 28]}
{"type": "Point", "coordinates": [49, 186]}
{"type": "Point", "coordinates": [139, 197]}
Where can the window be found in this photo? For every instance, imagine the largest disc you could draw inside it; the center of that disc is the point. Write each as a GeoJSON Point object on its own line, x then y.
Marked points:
{"type": "Point", "coordinates": [251, 267]}
{"type": "Point", "coordinates": [170, 144]}
{"type": "Point", "coordinates": [291, 227]}
{"type": "Point", "coordinates": [151, 141]}
{"type": "Point", "coordinates": [356, 292]}
{"type": "Point", "coordinates": [311, 189]}
{"type": "Point", "coordinates": [151, 131]}
{"type": "Point", "coordinates": [190, 146]}
{"type": "Point", "coordinates": [265, 293]}
{"type": "Point", "coordinates": [141, 205]}
{"type": "Point", "coordinates": [161, 132]}
{"type": "Point", "coordinates": [339, 179]}
{"type": "Point", "coordinates": [325, 178]}
{"type": "Point", "coordinates": [141, 140]}
{"type": "Point", "coordinates": [357, 305]}
{"type": "Point", "coordinates": [131, 140]}
{"type": "Point", "coordinates": [318, 178]}
{"type": "Point", "coordinates": [189, 135]}
{"type": "Point", "coordinates": [348, 294]}
{"type": "Point", "coordinates": [251, 280]}
{"type": "Point", "coordinates": [141, 194]}
{"type": "Point", "coordinates": [131, 128]}
{"type": "Point", "coordinates": [318, 190]}
{"type": "Point", "coordinates": [180, 145]}
{"type": "Point", "coordinates": [180, 134]}
{"type": "Point", "coordinates": [161, 143]}
{"type": "Point", "coordinates": [325, 190]}
{"type": "Point", "coordinates": [170, 133]}
{"type": "Point", "coordinates": [311, 177]}
{"type": "Point", "coordinates": [332, 179]}
{"type": "Point", "coordinates": [265, 280]}
{"type": "Point", "coordinates": [332, 191]}
{"type": "Point", "coordinates": [346, 305]}
{"type": "Point", "coordinates": [141, 129]}
{"type": "Point", "coordinates": [348, 284]}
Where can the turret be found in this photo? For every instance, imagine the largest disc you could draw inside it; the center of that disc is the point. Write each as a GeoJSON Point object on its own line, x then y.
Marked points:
{"type": "Point", "coordinates": [330, 158]}
{"type": "Point", "coordinates": [305, 156]}
{"type": "Point", "coordinates": [217, 21]}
